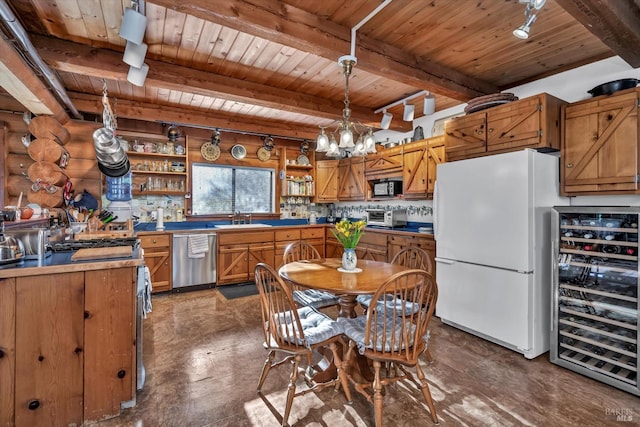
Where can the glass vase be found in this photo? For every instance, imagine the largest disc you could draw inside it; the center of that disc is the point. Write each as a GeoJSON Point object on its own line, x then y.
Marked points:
{"type": "Point", "coordinates": [349, 259]}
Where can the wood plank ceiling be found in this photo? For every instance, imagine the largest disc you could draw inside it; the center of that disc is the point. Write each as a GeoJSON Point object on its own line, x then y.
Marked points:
{"type": "Point", "coordinates": [270, 66]}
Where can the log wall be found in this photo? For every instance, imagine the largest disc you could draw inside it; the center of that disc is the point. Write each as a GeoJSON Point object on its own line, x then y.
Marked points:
{"type": "Point", "coordinates": [82, 169]}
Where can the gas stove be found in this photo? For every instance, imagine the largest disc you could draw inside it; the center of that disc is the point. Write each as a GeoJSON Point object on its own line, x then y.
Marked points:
{"type": "Point", "coordinates": [72, 245]}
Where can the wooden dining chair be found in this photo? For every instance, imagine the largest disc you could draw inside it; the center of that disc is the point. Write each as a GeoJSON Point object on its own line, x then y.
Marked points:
{"type": "Point", "coordinates": [292, 334]}
{"type": "Point", "coordinates": [393, 336]}
{"type": "Point", "coordinates": [302, 250]}
{"type": "Point", "coordinates": [410, 257]}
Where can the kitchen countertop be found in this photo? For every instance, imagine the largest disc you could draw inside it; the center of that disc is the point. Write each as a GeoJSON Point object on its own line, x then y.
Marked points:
{"type": "Point", "coordinates": [210, 226]}
{"type": "Point", "coordinates": [60, 262]}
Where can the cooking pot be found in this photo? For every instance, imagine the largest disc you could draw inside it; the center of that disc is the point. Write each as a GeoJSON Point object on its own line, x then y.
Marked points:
{"type": "Point", "coordinates": [16, 245]}
{"type": "Point", "coordinates": [6, 252]}
{"type": "Point", "coordinates": [614, 86]}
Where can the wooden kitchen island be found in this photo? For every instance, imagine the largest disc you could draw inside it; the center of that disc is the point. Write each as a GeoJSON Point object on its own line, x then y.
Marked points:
{"type": "Point", "coordinates": [67, 340]}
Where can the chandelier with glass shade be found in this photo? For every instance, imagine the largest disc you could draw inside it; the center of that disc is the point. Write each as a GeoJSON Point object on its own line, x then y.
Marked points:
{"type": "Point", "coordinates": [355, 139]}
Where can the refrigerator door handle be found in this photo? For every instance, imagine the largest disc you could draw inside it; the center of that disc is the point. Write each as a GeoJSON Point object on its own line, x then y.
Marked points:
{"type": "Point", "coordinates": [445, 261]}
{"type": "Point", "coordinates": [554, 286]}
{"type": "Point", "coordinates": [435, 210]}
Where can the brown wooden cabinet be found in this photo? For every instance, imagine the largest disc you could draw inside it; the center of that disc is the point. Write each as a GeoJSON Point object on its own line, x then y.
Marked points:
{"type": "Point", "coordinates": [7, 350]}
{"type": "Point", "coordinates": [327, 180]}
{"type": "Point", "coordinates": [415, 171]}
{"type": "Point", "coordinates": [397, 242]}
{"type": "Point", "coordinates": [532, 122]}
{"type": "Point", "coordinates": [157, 256]}
{"type": "Point", "coordinates": [600, 145]}
{"type": "Point", "coordinates": [283, 237]}
{"type": "Point", "coordinates": [238, 254]}
{"type": "Point", "coordinates": [420, 162]}
{"type": "Point", "coordinates": [49, 349]}
{"type": "Point", "coordinates": [68, 347]}
{"type": "Point", "coordinates": [315, 237]}
{"type": "Point", "coordinates": [372, 246]}
{"type": "Point", "coordinates": [385, 163]}
{"type": "Point", "coordinates": [351, 179]}
{"type": "Point", "coordinates": [466, 136]}
{"type": "Point", "coordinates": [435, 156]}
{"type": "Point", "coordinates": [333, 248]}
{"type": "Point", "coordinates": [109, 328]}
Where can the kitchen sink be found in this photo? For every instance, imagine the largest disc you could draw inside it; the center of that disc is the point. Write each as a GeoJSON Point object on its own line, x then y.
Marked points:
{"type": "Point", "coordinates": [256, 225]}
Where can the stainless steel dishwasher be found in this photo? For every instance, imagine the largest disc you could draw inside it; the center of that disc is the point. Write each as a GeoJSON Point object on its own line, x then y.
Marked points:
{"type": "Point", "coordinates": [193, 269]}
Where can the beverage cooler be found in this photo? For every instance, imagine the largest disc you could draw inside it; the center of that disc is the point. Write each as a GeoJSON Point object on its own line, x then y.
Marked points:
{"type": "Point", "coordinates": [594, 324]}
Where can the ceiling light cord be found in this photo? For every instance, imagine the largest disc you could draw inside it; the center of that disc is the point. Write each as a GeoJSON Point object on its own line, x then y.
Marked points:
{"type": "Point", "coordinates": [346, 129]}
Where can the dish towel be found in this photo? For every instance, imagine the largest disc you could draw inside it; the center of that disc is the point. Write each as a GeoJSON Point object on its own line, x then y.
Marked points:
{"type": "Point", "coordinates": [197, 245]}
{"type": "Point", "coordinates": [146, 297]}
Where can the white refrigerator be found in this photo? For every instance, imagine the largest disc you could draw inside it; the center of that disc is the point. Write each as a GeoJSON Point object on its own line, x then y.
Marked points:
{"type": "Point", "coordinates": [492, 224]}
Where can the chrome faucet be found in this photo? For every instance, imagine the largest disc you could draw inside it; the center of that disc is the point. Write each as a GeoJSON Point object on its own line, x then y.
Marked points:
{"type": "Point", "coordinates": [239, 218]}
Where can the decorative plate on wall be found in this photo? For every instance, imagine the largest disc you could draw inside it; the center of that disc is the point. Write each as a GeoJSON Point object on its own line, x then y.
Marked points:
{"type": "Point", "coordinates": [263, 154]}
{"type": "Point", "coordinates": [210, 152]}
{"type": "Point", "coordinates": [303, 160]}
{"type": "Point", "coordinates": [238, 152]}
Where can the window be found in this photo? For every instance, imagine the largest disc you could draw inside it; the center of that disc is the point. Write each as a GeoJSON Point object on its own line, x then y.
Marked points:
{"type": "Point", "coordinates": [219, 189]}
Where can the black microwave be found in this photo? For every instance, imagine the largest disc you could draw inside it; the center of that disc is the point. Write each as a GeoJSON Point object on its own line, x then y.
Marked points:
{"type": "Point", "coordinates": [387, 188]}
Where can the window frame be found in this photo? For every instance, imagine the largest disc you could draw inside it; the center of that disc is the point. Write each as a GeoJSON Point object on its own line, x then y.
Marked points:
{"type": "Point", "coordinates": [273, 189]}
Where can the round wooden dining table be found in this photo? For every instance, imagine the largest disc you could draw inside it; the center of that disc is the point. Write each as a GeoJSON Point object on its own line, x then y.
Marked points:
{"type": "Point", "coordinates": [326, 275]}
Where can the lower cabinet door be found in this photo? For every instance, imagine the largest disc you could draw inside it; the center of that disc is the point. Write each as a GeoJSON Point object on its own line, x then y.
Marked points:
{"type": "Point", "coordinates": [233, 264]}
{"type": "Point", "coordinates": [49, 349]}
{"type": "Point", "coordinates": [109, 328]}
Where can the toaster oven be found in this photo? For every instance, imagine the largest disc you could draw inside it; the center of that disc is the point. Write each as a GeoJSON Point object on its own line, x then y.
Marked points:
{"type": "Point", "coordinates": [387, 217]}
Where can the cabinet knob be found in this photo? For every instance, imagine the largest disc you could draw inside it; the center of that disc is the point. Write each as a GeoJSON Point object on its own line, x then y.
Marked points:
{"type": "Point", "coordinates": [154, 241]}
{"type": "Point", "coordinates": [122, 373]}
{"type": "Point", "coordinates": [569, 165]}
{"type": "Point", "coordinates": [33, 405]}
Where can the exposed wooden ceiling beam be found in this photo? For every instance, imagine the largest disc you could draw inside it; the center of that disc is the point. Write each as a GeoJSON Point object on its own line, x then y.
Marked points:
{"type": "Point", "coordinates": [102, 63]}
{"type": "Point", "coordinates": [197, 118]}
{"type": "Point", "coordinates": [615, 22]}
{"type": "Point", "coordinates": [19, 80]}
{"type": "Point", "coordinates": [290, 26]}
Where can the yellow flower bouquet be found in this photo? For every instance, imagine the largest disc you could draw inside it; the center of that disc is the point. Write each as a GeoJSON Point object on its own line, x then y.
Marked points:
{"type": "Point", "coordinates": [348, 233]}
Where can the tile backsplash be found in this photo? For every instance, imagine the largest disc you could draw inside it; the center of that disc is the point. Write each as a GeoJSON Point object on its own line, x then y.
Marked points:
{"type": "Point", "coordinates": [417, 210]}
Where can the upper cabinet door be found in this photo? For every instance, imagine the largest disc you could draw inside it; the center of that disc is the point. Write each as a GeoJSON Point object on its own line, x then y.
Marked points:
{"type": "Point", "coordinates": [466, 136]}
{"type": "Point", "coordinates": [414, 176]}
{"type": "Point", "coordinates": [384, 164]}
{"type": "Point", "coordinates": [516, 124]}
{"type": "Point", "coordinates": [435, 156]}
{"type": "Point", "coordinates": [351, 179]}
{"type": "Point", "coordinates": [327, 180]}
{"type": "Point", "coordinates": [600, 145]}
{"type": "Point", "coordinates": [532, 122]}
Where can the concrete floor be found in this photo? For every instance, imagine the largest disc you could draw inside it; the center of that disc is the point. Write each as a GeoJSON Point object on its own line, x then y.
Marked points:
{"type": "Point", "coordinates": [203, 356]}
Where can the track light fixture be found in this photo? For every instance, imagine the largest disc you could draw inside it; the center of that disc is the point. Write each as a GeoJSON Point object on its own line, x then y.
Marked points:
{"type": "Point", "coordinates": [429, 106]}
{"type": "Point", "coordinates": [134, 54]}
{"type": "Point", "coordinates": [522, 32]}
{"type": "Point", "coordinates": [134, 24]}
{"type": "Point", "coordinates": [386, 120]}
{"type": "Point", "coordinates": [137, 76]}
{"type": "Point", "coordinates": [409, 109]}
